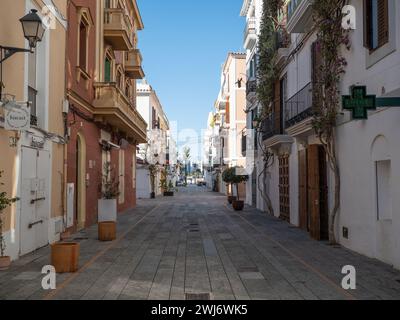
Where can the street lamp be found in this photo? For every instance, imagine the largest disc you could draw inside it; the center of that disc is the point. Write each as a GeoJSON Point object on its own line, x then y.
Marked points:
{"type": "Point", "coordinates": [33, 29]}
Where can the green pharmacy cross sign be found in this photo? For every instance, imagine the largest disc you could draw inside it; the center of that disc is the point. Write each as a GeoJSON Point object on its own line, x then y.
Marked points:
{"type": "Point", "coordinates": [359, 102]}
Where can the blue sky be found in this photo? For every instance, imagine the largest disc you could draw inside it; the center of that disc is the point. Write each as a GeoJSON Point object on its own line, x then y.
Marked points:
{"type": "Point", "coordinates": [184, 44]}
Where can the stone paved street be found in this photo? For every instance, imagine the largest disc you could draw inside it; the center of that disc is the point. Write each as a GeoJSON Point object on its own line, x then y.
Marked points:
{"type": "Point", "coordinates": [194, 243]}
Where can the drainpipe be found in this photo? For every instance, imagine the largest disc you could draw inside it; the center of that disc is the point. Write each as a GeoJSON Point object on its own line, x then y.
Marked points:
{"type": "Point", "coordinates": [65, 117]}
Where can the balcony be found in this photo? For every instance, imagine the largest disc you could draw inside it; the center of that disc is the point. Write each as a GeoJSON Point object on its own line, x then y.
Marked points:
{"type": "Point", "coordinates": [251, 89]}
{"type": "Point", "coordinates": [268, 128]}
{"type": "Point", "coordinates": [282, 44]}
{"type": "Point", "coordinates": [118, 29]}
{"type": "Point", "coordinates": [299, 107]}
{"type": "Point", "coordinates": [133, 64]}
{"type": "Point", "coordinates": [299, 16]}
{"type": "Point", "coordinates": [250, 36]}
{"type": "Point", "coordinates": [111, 106]}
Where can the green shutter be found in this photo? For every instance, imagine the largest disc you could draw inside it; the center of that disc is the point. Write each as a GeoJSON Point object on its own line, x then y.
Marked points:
{"type": "Point", "coordinates": [107, 69]}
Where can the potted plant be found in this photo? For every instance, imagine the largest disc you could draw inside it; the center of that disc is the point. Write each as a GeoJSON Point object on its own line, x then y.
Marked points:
{"type": "Point", "coordinates": [166, 187]}
{"type": "Point", "coordinates": [107, 214]}
{"type": "Point", "coordinates": [153, 172]}
{"type": "Point", "coordinates": [5, 202]}
{"type": "Point", "coordinates": [227, 177]}
{"type": "Point", "coordinates": [169, 192]}
{"type": "Point", "coordinates": [237, 179]}
{"type": "Point", "coordinates": [65, 256]}
{"type": "Point", "coordinates": [109, 189]}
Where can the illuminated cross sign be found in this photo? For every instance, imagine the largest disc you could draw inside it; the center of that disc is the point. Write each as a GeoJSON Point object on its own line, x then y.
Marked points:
{"type": "Point", "coordinates": [359, 102]}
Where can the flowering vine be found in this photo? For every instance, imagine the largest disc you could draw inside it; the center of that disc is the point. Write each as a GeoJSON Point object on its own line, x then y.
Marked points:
{"type": "Point", "coordinates": [327, 16]}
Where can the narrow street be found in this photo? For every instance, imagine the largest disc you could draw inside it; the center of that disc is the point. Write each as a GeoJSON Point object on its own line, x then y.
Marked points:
{"type": "Point", "coordinates": [194, 244]}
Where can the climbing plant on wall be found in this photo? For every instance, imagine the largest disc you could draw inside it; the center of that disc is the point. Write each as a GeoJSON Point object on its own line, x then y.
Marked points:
{"type": "Point", "coordinates": [267, 73]}
{"type": "Point", "coordinates": [331, 38]}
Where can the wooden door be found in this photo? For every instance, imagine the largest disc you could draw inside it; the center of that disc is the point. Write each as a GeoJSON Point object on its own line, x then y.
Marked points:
{"type": "Point", "coordinates": [284, 186]}
{"type": "Point", "coordinates": [323, 195]}
{"type": "Point", "coordinates": [317, 193]}
{"type": "Point", "coordinates": [303, 192]}
{"type": "Point", "coordinates": [313, 191]}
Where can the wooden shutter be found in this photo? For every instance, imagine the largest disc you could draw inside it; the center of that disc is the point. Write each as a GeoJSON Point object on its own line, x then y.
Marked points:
{"type": "Point", "coordinates": [277, 107]}
{"type": "Point", "coordinates": [227, 113]}
{"type": "Point", "coordinates": [314, 191]}
{"type": "Point", "coordinates": [316, 60]}
{"type": "Point", "coordinates": [367, 23]}
{"type": "Point", "coordinates": [383, 22]}
{"type": "Point", "coordinates": [303, 216]}
{"type": "Point", "coordinates": [107, 73]}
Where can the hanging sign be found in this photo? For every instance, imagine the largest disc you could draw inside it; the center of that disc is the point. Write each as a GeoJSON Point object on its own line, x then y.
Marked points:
{"type": "Point", "coordinates": [359, 102]}
{"type": "Point", "coordinates": [17, 119]}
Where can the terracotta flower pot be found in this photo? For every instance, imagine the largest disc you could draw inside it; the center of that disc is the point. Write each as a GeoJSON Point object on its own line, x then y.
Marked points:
{"type": "Point", "coordinates": [5, 263]}
{"type": "Point", "coordinates": [107, 231]}
{"type": "Point", "coordinates": [65, 256]}
{"type": "Point", "coordinates": [238, 205]}
{"type": "Point", "coordinates": [231, 199]}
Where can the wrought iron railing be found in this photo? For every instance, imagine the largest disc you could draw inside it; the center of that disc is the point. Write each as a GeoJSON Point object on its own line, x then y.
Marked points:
{"type": "Point", "coordinates": [299, 107]}
{"type": "Point", "coordinates": [251, 86]}
{"type": "Point", "coordinates": [269, 127]}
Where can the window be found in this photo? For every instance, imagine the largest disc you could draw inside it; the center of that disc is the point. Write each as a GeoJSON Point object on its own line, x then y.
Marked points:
{"type": "Point", "coordinates": [83, 37]}
{"type": "Point", "coordinates": [107, 69]}
{"type": "Point", "coordinates": [32, 89]}
{"type": "Point", "coordinates": [376, 31]}
{"type": "Point", "coordinates": [383, 190]}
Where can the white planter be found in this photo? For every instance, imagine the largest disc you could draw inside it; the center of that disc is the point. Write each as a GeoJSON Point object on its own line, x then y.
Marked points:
{"type": "Point", "coordinates": [107, 210]}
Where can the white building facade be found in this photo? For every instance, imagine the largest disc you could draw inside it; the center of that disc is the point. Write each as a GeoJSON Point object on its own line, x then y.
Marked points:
{"type": "Point", "coordinates": [300, 183]}
{"type": "Point", "coordinates": [161, 148]}
{"type": "Point", "coordinates": [252, 11]}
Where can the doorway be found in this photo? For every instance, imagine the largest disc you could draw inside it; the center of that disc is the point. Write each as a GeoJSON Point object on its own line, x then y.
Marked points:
{"type": "Point", "coordinates": [313, 192]}
{"type": "Point", "coordinates": [80, 195]}
{"type": "Point", "coordinates": [35, 199]}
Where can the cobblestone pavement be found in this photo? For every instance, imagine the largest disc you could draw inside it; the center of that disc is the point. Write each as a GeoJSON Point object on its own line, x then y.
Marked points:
{"type": "Point", "coordinates": [194, 243]}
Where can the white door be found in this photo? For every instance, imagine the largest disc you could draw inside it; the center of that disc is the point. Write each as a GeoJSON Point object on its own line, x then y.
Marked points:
{"type": "Point", "coordinates": [35, 172]}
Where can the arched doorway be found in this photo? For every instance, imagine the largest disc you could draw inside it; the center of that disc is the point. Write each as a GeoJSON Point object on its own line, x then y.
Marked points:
{"type": "Point", "coordinates": [80, 200]}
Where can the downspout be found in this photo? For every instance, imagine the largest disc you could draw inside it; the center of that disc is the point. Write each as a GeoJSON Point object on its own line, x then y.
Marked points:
{"type": "Point", "coordinates": [65, 117]}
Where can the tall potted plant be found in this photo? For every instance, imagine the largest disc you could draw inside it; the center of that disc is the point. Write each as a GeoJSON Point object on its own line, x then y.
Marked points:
{"type": "Point", "coordinates": [153, 172]}
{"type": "Point", "coordinates": [237, 179]}
{"type": "Point", "coordinates": [227, 177]}
{"type": "Point", "coordinates": [5, 202]}
{"type": "Point", "coordinates": [109, 190]}
{"type": "Point", "coordinates": [107, 215]}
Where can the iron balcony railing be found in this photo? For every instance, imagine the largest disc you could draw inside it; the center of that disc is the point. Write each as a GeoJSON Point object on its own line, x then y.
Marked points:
{"type": "Point", "coordinates": [269, 127]}
{"type": "Point", "coordinates": [299, 107]}
{"type": "Point", "coordinates": [251, 87]}
{"type": "Point", "coordinates": [282, 39]}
